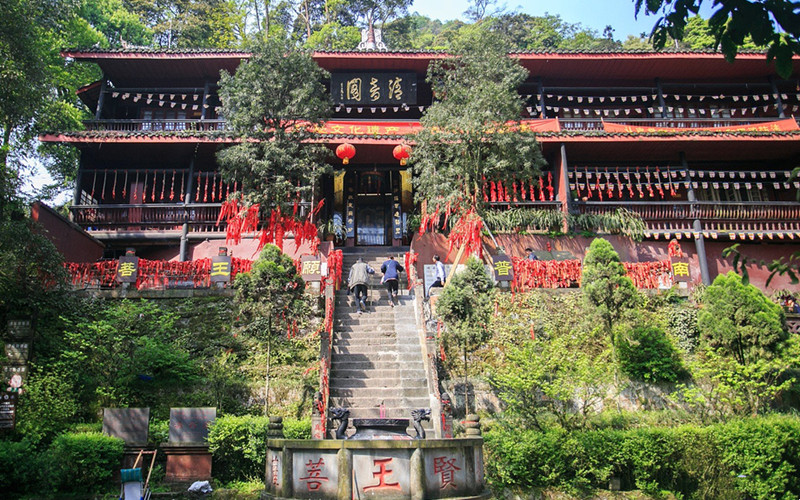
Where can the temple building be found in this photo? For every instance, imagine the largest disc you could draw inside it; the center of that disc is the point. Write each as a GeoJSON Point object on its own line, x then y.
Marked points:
{"type": "Point", "coordinates": [701, 149]}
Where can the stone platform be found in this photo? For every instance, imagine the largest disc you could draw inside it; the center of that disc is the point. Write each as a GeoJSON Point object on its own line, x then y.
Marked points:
{"type": "Point", "coordinates": [375, 469]}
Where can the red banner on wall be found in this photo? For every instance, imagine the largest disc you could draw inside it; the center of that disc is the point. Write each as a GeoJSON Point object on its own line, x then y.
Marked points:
{"type": "Point", "coordinates": [373, 128]}
{"type": "Point", "coordinates": [776, 126]}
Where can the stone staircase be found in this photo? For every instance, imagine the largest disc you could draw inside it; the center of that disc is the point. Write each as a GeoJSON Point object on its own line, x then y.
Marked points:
{"type": "Point", "coordinates": [376, 356]}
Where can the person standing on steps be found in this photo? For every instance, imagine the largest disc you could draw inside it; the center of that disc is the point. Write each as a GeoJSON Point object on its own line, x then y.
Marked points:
{"type": "Point", "coordinates": [440, 274]}
{"type": "Point", "coordinates": [357, 283]}
{"type": "Point", "coordinates": [391, 270]}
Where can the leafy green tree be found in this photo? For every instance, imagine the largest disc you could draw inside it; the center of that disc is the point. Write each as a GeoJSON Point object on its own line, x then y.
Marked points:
{"type": "Point", "coordinates": [740, 320]}
{"type": "Point", "coordinates": [461, 144]}
{"type": "Point", "coordinates": [124, 354]}
{"type": "Point", "coordinates": [724, 387]}
{"type": "Point", "coordinates": [608, 289]}
{"type": "Point", "coordinates": [549, 32]}
{"type": "Point", "coordinates": [646, 353]}
{"type": "Point", "coordinates": [273, 102]}
{"type": "Point", "coordinates": [773, 23]}
{"type": "Point", "coordinates": [465, 308]}
{"type": "Point", "coordinates": [605, 284]}
{"type": "Point", "coordinates": [563, 375]}
{"type": "Point", "coordinates": [269, 296]}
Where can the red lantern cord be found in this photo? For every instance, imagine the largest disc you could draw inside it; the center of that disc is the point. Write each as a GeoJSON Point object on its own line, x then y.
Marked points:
{"type": "Point", "coordinates": [485, 194]}
{"type": "Point", "coordinates": [153, 192]}
{"type": "Point", "coordinates": [530, 186]}
{"type": "Point", "coordinates": [198, 188]}
{"type": "Point", "coordinates": [125, 186]}
{"type": "Point", "coordinates": [172, 187]}
{"type": "Point", "coordinates": [103, 191]}
{"type": "Point", "coordinates": [220, 188]}
{"type": "Point", "coordinates": [550, 185]}
{"type": "Point", "coordinates": [514, 188]}
{"type": "Point", "coordinates": [163, 184]}
{"type": "Point", "coordinates": [94, 182]}
{"type": "Point", "coordinates": [493, 191]}
{"type": "Point", "coordinates": [214, 187]}
{"type": "Point", "coordinates": [609, 185]}
{"type": "Point", "coordinates": [114, 189]}
{"type": "Point", "coordinates": [205, 191]}
{"type": "Point", "coordinates": [136, 188]}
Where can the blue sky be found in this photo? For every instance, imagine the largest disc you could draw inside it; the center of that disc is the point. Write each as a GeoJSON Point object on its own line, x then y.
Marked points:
{"type": "Point", "coordinates": [594, 14]}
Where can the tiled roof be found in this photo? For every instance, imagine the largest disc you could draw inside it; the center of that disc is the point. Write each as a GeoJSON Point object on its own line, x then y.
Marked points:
{"type": "Point", "coordinates": [225, 135]}
{"type": "Point", "coordinates": [238, 52]}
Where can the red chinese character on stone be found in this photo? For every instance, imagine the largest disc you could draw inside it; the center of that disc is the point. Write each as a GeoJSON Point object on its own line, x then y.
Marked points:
{"type": "Point", "coordinates": [314, 475]}
{"type": "Point", "coordinates": [446, 470]}
{"type": "Point", "coordinates": [275, 462]}
{"type": "Point", "coordinates": [381, 474]}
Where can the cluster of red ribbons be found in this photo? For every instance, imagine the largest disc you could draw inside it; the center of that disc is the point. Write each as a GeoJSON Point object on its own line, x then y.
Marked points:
{"type": "Point", "coordinates": [516, 191]}
{"type": "Point", "coordinates": [151, 273]}
{"type": "Point", "coordinates": [94, 274]}
{"type": "Point", "coordinates": [217, 188]}
{"type": "Point", "coordinates": [410, 259]}
{"type": "Point", "coordinates": [674, 249]}
{"type": "Point", "coordinates": [335, 260]}
{"type": "Point", "coordinates": [467, 233]}
{"type": "Point", "coordinates": [241, 219]}
{"type": "Point", "coordinates": [617, 182]}
{"type": "Point", "coordinates": [429, 221]}
{"type": "Point", "coordinates": [649, 274]}
{"type": "Point", "coordinates": [530, 274]}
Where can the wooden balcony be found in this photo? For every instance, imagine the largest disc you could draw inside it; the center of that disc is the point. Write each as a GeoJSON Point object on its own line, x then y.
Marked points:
{"type": "Point", "coordinates": [159, 217]}
{"type": "Point", "coordinates": [596, 124]}
{"type": "Point", "coordinates": [155, 125]}
{"type": "Point", "coordinates": [773, 217]}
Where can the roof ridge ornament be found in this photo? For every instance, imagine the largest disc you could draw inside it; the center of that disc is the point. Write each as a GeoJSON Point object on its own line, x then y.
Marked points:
{"type": "Point", "coordinates": [371, 39]}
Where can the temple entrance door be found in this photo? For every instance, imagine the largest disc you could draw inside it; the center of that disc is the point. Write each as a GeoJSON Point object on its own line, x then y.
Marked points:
{"type": "Point", "coordinates": [372, 209]}
{"type": "Point", "coordinates": [371, 225]}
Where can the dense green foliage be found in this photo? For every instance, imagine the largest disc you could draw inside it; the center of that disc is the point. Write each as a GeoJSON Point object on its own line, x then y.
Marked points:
{"type": "Point", "coordinates": [75, 463]}
{"type": "Point", "coordinates": [277, 97]}
{"type": "Point", "coordinates": [239, 444]}
{"type": "Point", "coordinates": [646, 353]}
{"type": "Point", "coordinates": [465, 306]}
{"type": "Point", "coordinates": [461, 144]}
{"type": "Point", "coordinates": [774, 24]}
{"type": "Point", "coordinates": [605, 284]}
{"type": "Point", "coordinates": [740, 320]}
{"type": "Point", "coordinates": [755, 458]}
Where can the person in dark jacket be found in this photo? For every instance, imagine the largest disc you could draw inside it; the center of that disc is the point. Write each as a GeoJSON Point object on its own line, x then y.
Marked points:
{"type": "Point", "coordinates": [391, 270]}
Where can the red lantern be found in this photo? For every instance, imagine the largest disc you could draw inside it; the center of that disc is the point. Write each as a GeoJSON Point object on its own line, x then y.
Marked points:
{"type": "Point", "coordinates": [345, 152]}
{"type": "Point", "coordinates": [402, 152]}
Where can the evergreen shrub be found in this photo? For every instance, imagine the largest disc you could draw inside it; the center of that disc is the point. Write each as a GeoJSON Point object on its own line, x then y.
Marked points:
{"type": "Point", "coordinates": [238, 445]}
{"type": "Point", "coordinates": [647, 354]}
{"type": "Point", "coordinates": [81, 462]}
{"type": "Point", "coordinates": [19, 465]}
{"type": "Point", "coordinates": [755, 458]}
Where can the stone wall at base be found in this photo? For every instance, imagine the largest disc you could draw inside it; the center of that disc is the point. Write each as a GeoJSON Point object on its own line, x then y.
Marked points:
{"type": "Point", "coordinates": [375, 469]}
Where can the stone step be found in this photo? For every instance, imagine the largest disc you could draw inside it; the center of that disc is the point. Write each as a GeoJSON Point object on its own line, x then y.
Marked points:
{"type": "Point", "coordinates": [351, 370]}
{"type": "Point", "coordinates": [377, 331]}
{"type": "Point", "coordinates": [367, 361]}
{"type": "Point", "coordinates": [371, 339]}
{"type": "Point", "coordinates": [378, 393]}
{"type": "Point", "coordinates": [369, 350]}
{"type": "Point", "coordinates": [371, 403]}
{"type": "Point", "coordinates": [378, 382]}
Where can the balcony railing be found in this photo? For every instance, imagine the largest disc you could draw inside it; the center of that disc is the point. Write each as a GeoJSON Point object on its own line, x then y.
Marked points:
{"type": "Point", "coordinates": [155, 125]}
{"type": "Point", "coordinates": [775, 216]}
{"type": "Point", "coordinates": [684, 123]}
{"type": "Point", "coordinates": [584, 124]}
{"type": "Point", "coordinates": [201, 217]}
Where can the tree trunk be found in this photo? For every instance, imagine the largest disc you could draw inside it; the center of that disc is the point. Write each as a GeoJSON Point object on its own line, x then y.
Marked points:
{"type": "Point", "coordinates": [466, 390]}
